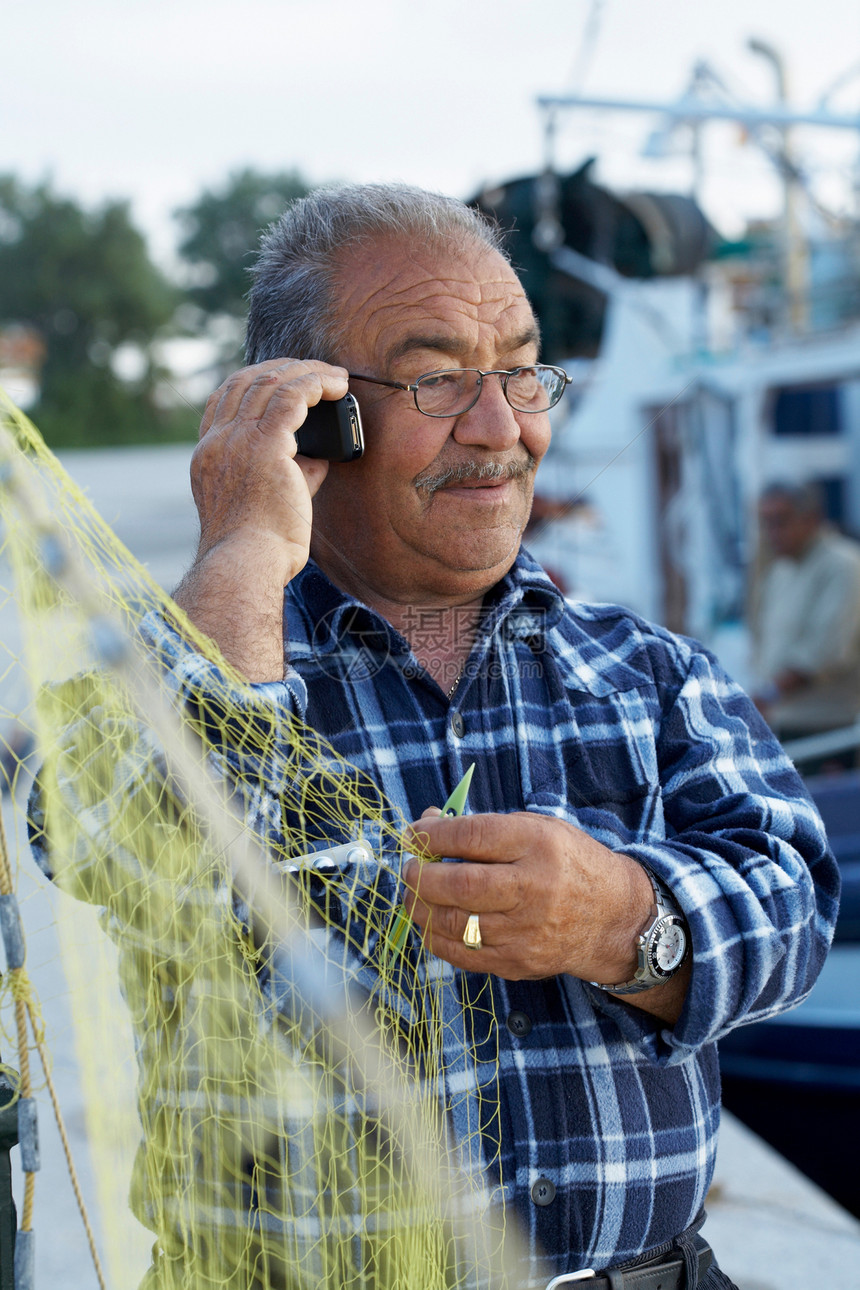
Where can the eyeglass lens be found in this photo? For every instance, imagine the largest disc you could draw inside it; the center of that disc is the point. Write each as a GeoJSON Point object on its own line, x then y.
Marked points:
{"type": "Point", "coordinates": [527, 389]}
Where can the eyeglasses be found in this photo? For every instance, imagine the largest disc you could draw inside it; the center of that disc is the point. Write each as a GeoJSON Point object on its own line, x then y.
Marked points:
{"type": "Point", "coordinates": [449, 394]}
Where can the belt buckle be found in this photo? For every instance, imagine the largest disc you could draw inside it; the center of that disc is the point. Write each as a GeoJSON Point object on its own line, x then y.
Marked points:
{"type": "Point", "coordinates": [585, 1274]}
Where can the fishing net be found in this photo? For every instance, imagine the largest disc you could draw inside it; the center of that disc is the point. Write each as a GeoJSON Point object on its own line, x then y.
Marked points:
{"type": "Point", "coordinates": [303, 1097]}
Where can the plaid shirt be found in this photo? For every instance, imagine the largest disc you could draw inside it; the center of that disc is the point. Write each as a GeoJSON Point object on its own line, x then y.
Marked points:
{"type": "Point", "coordinates": [608, 1119]}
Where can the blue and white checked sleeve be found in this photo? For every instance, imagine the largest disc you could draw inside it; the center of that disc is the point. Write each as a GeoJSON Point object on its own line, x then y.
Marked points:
{"type": "Point", "coordinates": [746, 857]}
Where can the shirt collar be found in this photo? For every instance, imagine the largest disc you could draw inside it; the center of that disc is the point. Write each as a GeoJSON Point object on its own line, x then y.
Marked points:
{"type": "Point", "coordinates": [525, 603]}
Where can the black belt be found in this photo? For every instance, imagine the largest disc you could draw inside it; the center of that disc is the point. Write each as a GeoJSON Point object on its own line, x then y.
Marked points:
{"type": "Point", "coordinates": [663, 1272]}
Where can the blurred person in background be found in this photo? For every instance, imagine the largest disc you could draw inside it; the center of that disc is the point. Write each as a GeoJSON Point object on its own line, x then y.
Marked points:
{"type": "Point", "coordinates": [806, 617]}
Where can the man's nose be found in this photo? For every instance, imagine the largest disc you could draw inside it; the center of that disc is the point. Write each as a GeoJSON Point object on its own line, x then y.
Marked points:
{"type": "Point", "coordinates": [491, 423]}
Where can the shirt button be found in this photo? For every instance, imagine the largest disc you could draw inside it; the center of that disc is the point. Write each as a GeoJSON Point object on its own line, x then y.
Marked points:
{"type": "Point", "coordinates": [519, 1024]}
{"type": "Point", "coordinates": [543, 1192]}
{"type": "Point", "coordinates": [458, 725]}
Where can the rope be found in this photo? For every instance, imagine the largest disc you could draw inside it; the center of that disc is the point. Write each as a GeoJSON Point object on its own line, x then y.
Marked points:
{"type": "Point", "coordinates": [67, 1151]}
{"type": "Point", "coordinates": [22, 994]}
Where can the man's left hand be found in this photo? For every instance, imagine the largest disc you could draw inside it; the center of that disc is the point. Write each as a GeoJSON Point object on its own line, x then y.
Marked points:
{"type": "Point", "coordinates": [550, 899]}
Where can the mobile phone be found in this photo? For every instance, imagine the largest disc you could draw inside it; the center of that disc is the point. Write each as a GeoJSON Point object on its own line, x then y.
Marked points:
{"type": "Point", "coordinates": [332, 429]}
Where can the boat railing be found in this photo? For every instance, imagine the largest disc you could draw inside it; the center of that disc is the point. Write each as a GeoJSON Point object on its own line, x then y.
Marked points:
{"type": "Point", "coordinates": [828, 744]}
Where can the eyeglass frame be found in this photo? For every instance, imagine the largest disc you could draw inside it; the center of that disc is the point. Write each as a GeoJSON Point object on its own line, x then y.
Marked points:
{"type": "Point", "coordinates": [496, 371]}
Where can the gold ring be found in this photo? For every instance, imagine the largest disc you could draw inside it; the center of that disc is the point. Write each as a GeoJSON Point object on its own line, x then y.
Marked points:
{"type": "Point", "coordinates": [472, 935]}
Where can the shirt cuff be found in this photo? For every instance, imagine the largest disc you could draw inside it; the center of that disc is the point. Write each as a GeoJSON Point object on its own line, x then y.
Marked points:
{"type": "Point", "coordinates": [188, 671]}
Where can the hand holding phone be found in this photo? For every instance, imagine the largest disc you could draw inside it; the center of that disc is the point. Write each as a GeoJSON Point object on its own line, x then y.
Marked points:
{"type": "Point", "coordinates": [332, 430]}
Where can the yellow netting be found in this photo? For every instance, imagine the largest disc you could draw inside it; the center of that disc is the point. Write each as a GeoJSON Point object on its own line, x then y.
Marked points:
{"type": "Point", "coordinates": [307, 1098]}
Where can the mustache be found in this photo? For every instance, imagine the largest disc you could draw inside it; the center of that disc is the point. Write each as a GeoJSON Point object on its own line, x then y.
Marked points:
{"type": "Point", "coordinates": [474, 472]}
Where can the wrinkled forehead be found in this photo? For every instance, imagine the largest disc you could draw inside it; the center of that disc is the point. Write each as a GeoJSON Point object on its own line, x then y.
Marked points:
{"type": "Point", "coordinates": [388, 291]}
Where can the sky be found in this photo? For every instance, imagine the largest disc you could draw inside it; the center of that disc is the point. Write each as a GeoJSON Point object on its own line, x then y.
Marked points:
{"type": "Point", "coordinates": [152, 100]}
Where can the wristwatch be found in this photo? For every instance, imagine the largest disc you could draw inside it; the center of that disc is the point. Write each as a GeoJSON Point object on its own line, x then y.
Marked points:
{"type": "Point", "coordinates": [661, 946]}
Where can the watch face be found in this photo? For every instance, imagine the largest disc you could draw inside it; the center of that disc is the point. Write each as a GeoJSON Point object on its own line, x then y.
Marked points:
{"type": "Point", "coordinates": [668, 946]}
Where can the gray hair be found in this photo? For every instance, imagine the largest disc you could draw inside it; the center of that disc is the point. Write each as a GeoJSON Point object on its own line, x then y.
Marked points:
{"type": "Point", "coordinates": [805, 498]}
{"type": "Point", "coordinates": [291, 310]}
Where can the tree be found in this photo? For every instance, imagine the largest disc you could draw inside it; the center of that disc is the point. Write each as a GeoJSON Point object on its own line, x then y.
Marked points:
{"type": "Point", "coordinates": [83, 281]}
{"type": "Point", "coordinates": [220, 235]}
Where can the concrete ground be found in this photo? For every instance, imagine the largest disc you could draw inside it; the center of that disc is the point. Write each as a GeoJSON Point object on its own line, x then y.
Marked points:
{"type": "Point", "coordinates": [772, 1229]}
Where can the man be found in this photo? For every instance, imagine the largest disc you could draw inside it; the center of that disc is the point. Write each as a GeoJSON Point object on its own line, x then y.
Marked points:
{"type": "Point", "coordinates": [640, 869]}
{"type": "Point", "coordinates": [623, 747]}
{"type": "Point", "coordinates": [806, 623]}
